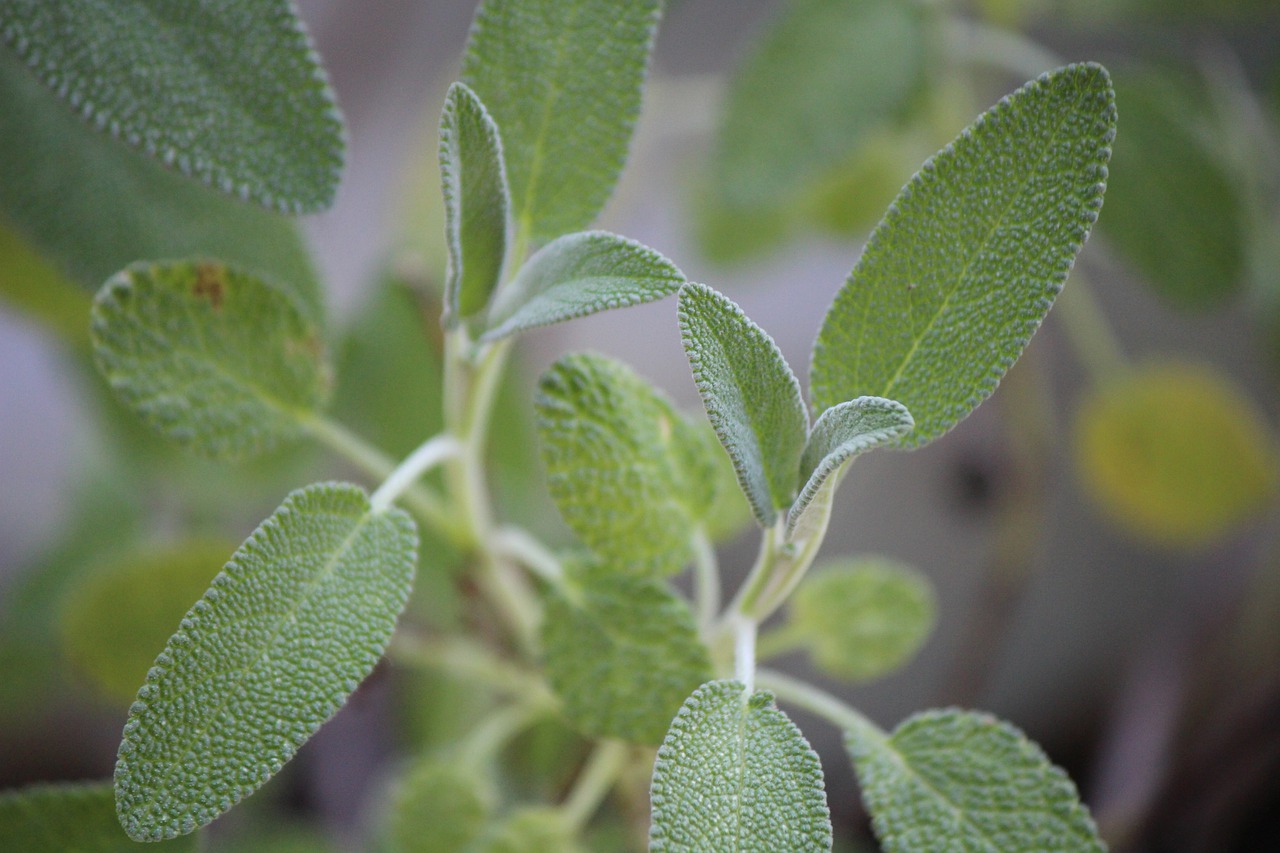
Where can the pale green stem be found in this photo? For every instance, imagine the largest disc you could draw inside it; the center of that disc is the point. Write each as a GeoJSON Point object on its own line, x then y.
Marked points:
{"type": "Point", "coordinates": [1091, 336]}
{"type": "Point", "coordinates": [597, 778]}
{"type": "Point", "coordinates": [706, 582]}
{"type": "Point", "coordinates": [976, 43]}
{"type": "Point", "coordinates": [515, 543]}
{"type": "Point", "coordinates": [793, 570]}
{"type": "Point", "coordinates": [753, 587]}
{"type": "Point", "coordinates": [818, 701]}
{"type": "Point", "coordinates": [468, 661]}
{"type": "Point", "coordinates": [482, 744]}
{"type": "Point", "coordinates": [429, 454]}
{"type": "Point", "coordinates": [744, 651]}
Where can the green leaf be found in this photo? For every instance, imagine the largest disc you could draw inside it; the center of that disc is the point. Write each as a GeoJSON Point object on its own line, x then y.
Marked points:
{"type": "Point", "coordinates": [287, 631]}
{"type": "Point", "coordinates": [67, 818]}
{"type": "Point", "coordinates": [533, 830]}
{"type": "Point", "coordinates": [211, 356]}
{"type": "Point", "coordinates": [841, 433]}
{"type": "Point", "coordinates": [735, 775]}
{"type": "Point", "coordinates": [30, 283]}
{"type": "Point", "coordinates": [439, 807]}
{"type": "Point", "coordinates": [1176, 454]}
{"type": "Point", "coordinates": [474, 185]}
{"type": "Point", "coordinates": [581, 274]}
{"type": "Point", "coordinates": [827, 74]}
{"type": "Point", "coordinates": [954, 780]}
{"type": "Point", "coordinates": [115, 620]}
{"type": "Point", "coordinates": [618, 464]}
{"type": "Point", "coordinates": [966, 263]}
{"type": "Point", "coordinates": [563, 80]}
{"type": "Point", "coordinates": [862, 618]}
{"type": "Point", "coordinates": [753, 399]}
{"type": "Point", "coordinates": [91, 205]}
{"type": "Point", "coordinates": [622, 653]}
{"type": "Point", "coordinates": [1172, 208]}
{"type": "Point", "coordinates": [232, 94]}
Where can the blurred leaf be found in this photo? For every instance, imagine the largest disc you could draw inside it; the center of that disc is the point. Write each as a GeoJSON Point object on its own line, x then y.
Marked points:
{"type": "Point", "coordinates": [116, 619]}
{"type": "Point", "coordinates": [562, 78]}
{"type": "Point", "coordinates": [212, 357]}
{"type": "Point", "coordinates": [735, 775]}
{"type": "Point", "coordinates": [622, 653]}
{"type": "Point", "coordinates": [28, 282]}
{"type": "Point", "coordinates": [533, 830]}
{"type": "Point", "coordinates": [953, 780]}
{"type": "Point", "coordinates": [1176, 454]}
{"type": "Point", "coordinates": [849, 198]}
{"type": "Point", "coordinates": [299, 616]}
{"type": "Point", "coordinates": [67, 818]}
{"type": "Point", "coordinates": [233, 94]}
{"type": "Point", "coordinates": [1172, 208]}
{"type": "Point", "coordinates": [439, 807]}
{"type": "Point", "coordinates": [966, 263]}
{"type": "Point", "coordinates": [91, 205]}
{"type": "Point", "coordinates": [727, 512]}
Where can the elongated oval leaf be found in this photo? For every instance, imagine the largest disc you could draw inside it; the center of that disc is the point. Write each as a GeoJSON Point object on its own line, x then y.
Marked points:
{"type": "Point", "coordinates": [622, 652]}
{"type": "Point", "coordinates": [581, 274]}
{"type": "Point", "coordinates": [622, 464]}
{"type": "Point", "coordinates": [231, 93]}
{"type": "Point", "coordinates": [563, 81]}
{"type": "Point", "coordinates": [68, 818]}
{"type": "Point", "coordinates": [213, 357]}
{"type": "Point", "coordinates": [841, 433]}
{"type": "Point", "coordinates": [439, 807]}
{"type": "Point", "coordinates": [476, 204]}
{"type": "Point", "coordinates": [947, 780]}
{"type": "Point", "coordinates": [289, 628]}
{"type": "Point", "coordinates": [753, 399]}
{"type": "Point", "coordinates": [967, 261]}
{"type": "Point", "coordinates": [735, 775]}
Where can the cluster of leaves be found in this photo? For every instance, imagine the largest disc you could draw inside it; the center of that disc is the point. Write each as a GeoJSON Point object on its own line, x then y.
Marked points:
{"type": "Point", "coordinates": [228, 356]}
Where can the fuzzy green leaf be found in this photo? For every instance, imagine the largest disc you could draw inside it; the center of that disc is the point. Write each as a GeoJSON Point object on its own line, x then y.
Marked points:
{"type": "Point", "coordinates": [533, 830]}
{"type": "Point", "coordinates": [967, 261]}
{"type": "Point", "coordinates": [752, 398]}
{"type": "Point", "coordinates": [474, 183]}
{"type": "Point", "coordinates": [841, 433]}
{"type": "Point", "coordinates": [955, 780]}
{"type": "Point", "coordinates": [622, 653]}
{"type": "Point", "coordinates": [67, 818]}
{"type": "Point", "coordinates": [232, 94]}
{"type": "Point", "coordinates": [563, 80]}
{"type": "Point", "coordinates": [581, 274]}
{"type": "Point", "coordinates": [91, 205]}
{"type": "Point", "coordinates": [862, 618]}
{"type": "Point", "coordinates": [213, 357]}
{"type": "Point", "coordinates": [289, 628]}
{"type": "Point", "coordinates": [621, 464]}
{"type": "Point", "coordinates": [439, 807]}
{"type": "Point", "coordinates": [735, 775]}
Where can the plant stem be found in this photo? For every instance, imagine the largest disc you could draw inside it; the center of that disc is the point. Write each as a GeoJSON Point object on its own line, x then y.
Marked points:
{"type": "Point", "coordinates": [744, 651]}
{"type": "Point", "coordinates": [820, 702]}
{"type": "Point", "coordinates": [518, 544]}
{"type": "Point", "coordinates": [976, 43]}
{"type": "Point", "coordinates": [429, 454]}
{"type": "Point", "coordinates": [482, 744]}
{"type": "Point", "coordinates": [706, 582]}
{"type": "Point", "coordinates": [597, 778]}
{"type": "Point", "coordinates": [753, 587]}
{"type": "Point", "coordinates": [468, 661]}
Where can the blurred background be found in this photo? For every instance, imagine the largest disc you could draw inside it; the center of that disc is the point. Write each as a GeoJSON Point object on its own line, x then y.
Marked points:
{"type": "Point", "coordinates": [1103, 534]}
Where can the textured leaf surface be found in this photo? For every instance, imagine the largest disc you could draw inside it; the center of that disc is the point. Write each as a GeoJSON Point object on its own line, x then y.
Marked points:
{"type": "Point", "coordinates": [735, 775]}
{"type": "Point", "coordinates": [967, 261]}
{"type": "Point", "coordinates": [952, 780]}
{"type": "Point", "coordinates": [1176, 454]}
{"type": "Point", "coordinates": [439, 807]}
{"type": "Point", "coordinates": [563, 81]}
{"type": "Point", "coordinates": [232, 93]}
{"type": "Point", "coordinates": [841, 433]}
{"type": "Point", "coordinates": [115, 620]}
{"type": "Point", "coordinates": [753, 399]}
{"type": "Point", "coordinates": [476, 204]}
{"type": "Point", "coordinates": [580, 274]}
{"type": "Point", "coordinates": [622, 653]}
{"type": "Point", "coordinates": [213, 357]}
{"type": "Point", "coordinates": [289, 628]}
{"type": "Point", "coordinates": [863, 618]}
{"type": "Point", "coordinates": [92, 205]}
{"type": "Point", "coordinates": [78, 818]}
{"type": "Point", "coordinates": [624, 468]}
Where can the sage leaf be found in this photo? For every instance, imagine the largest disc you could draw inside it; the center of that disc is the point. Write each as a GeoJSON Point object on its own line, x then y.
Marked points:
{"type": "Point", "coordinates": [622, 653]}
{"type": "Point", "coordinates": [91, 205]}
{"type": "Point", "coordinates": [735, 775]}
{"type": "Point", "coordinates": [967, 261]}
{"type": "Point", "coordinates": [440, 806]}
{"type": "Point", "coordinates": [68, 818]}
{"type": "Point", "coordinates": [215, 358]}
{"type": "Point", "coordinates": [958, 780]}
{"type": "Point", "coordinates": [232, 94]}
{"type": "Point", "coordinates": [861, 619]}
{"type": "Point", "coordinates": [753, 399]}
{"type": "Point", "coordinates": [476, 204]}
{"type": "Point", "coordinates": [563, 81]}
{"type": "Point", "coordinates": [533, 830]}
{"type": "Point", "coordinates": [581, 274]}
{"type": "Point", "coordinates": [288, 629]}
{"type": "Point", "coordinates": [34, 286]}
{"type": "Point", "coordinates": [841, 433]}
{"type": "Point", "coordinates": [621, 463]}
